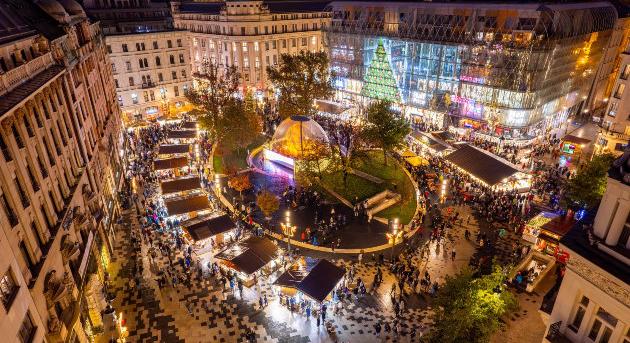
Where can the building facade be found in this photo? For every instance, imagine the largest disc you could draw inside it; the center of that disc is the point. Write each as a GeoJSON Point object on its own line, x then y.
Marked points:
{"type": "Point", "coordinates": [250, 35]}
{"type": "Point", "coordinates": [615, 124]}
{"type": "Point", "coordinates": [592, 303]}
{"type": "Point", "coordinates": [59, 172]}
{"type": "Point", "coordinates": [152, 72]}
{"type": "Point", "coordinates": [511, 70]}
{"type": "Point", "coordinates": [130, 16]}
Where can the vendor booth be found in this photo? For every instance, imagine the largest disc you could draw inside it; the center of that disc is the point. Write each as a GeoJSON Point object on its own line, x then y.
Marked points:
{"type": "Point", "coordinates": [170, 163]}
{"type": "Point", "coordinates": [189, 125]}
{"type": "Point", "coordinates": [186, 204]}
{"type": "Point", "coordinates": [213, 227]}
{"type": "Point", "coordinates": [428, 143]}
{"type": "Point", "coordinates": [489, 169]}
{"type": "Point", "coordinates": [311, 277]}
{"type": "Point", "coordinates": [181, 186]}
{"type": "Point", "coordinates": [248, 257]}
{"type": "Point", "coordinates": [182, 136]}
{"type": "Point", "coordinates": [412, 159]}
{"type": "Point", "coordinates": [174, 149]}
{"type": "Point", "coordinates": [545, 230]}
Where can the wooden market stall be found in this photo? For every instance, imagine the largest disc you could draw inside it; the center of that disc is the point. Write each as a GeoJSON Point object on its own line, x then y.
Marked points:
{"type": "Point", "coordinates": [311, 277]}
{"type": "Point", "coordinates": [213, 226]}
{"type": "Point", "coordinates": [250, 257]}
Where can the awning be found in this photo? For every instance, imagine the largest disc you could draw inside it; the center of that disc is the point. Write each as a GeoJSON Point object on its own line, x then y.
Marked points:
{"type": "Point", "coordinates": [185, 205]}
{"type": "Point", "coordinates": [488, 168]}
{"type": "Point", "coordinates": [321, 280]}
{"type": "Point", "coordinates": [416, 161]}
{"type": "Point", "coordinates": [180, 185]}
{"type": "Point", "coordinates": [250, 255]}
{"type": "Point", "coordinates": [170, 163]}
{"type": "Point", "coordinates": [429, 141]}
{"type": "Point", "coordinates": [203, 227]}
{"type": "Point", "coordinates": [177, 134]}
{"type": "Point", "coordinates": [168, 149]}
{"type": "Point", "coordinates": [407, 153]}
{"type": "Point", "coordinates": [189, 125]}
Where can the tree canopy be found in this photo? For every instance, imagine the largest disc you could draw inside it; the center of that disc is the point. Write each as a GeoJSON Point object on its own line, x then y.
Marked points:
{"type": "Point", "coordinates": [384, 128]}
{"type": "Point", "coordinates": [301, 79]}
{"type": "Point", "coordinates": [238, 126]}
{"type": "Point", "coordinates": [587, 187]}
{"type": "Point", "coordinates": [468, 309]}
{"type": "Point", "coordinates": [267, 202]}
{"type": "Point", "coordinates": [213, 89]}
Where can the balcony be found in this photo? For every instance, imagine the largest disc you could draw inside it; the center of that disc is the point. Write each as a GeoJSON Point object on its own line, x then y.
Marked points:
{"type": "Point", "coordinates": [25, 72]}
{"type": "Point", "coordinates": [149, 84]}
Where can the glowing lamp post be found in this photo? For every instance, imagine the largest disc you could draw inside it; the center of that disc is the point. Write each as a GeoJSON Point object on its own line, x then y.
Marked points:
{"type": "Point", "coordinates": [287, 229]}
{"type": "Point", "coordinates": [392, 237]}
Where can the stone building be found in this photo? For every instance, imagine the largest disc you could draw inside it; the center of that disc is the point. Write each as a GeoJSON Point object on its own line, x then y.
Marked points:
{"type": "Point", "coordinates": [250, 35]}
{"type": "Point", "coordinates": [152, 71]}
{"type": "Point", "coordinates": [59, 171]}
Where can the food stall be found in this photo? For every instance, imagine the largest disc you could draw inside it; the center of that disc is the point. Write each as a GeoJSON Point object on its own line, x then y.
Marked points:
{"type": "Point", "coordinates": [215, 227]}
{"type": "Point", "coordinates": [171, 166]}
{"type": "Point", "coordinates": [253, 256]}
{"type": "Point", "coordinates": [181, 186]}
{"type": "Point", "coordinates": [181, 136]}
{"type": "Point", "coordinates": [185, 207]}
{"type": "Point", "coordinates": [545, 230]}
{"type": "Point", "coordinates": [174, 149]}
{"type": "Point", "coordinates": [310, 279]}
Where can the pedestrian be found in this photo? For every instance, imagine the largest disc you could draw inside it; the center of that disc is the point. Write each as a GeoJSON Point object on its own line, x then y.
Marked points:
{"type": "Point", "coordinates": [377, 329]}
{"type": "Point", "coordinates": [318, 321]}
{"type": "Point", "coordinates": [360, 256]}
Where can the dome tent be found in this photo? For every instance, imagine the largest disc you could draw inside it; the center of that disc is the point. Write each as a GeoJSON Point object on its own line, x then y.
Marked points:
{"type": "Point", "coordinates": [297, 136]}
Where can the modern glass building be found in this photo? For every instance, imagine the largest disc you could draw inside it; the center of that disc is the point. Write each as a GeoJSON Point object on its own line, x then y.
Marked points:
{"type": "Point", "coordinates": [513, 70]}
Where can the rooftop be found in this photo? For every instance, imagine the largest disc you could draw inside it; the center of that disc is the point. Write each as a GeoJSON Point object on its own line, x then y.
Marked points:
{"type": "Point", "coordinates": [21, 18]}
{"type": "Point", "coordinates": [275, 6]}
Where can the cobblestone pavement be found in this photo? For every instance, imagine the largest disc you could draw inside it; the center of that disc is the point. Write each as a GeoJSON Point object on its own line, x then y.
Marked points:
{"type": "Point", "coordinates": [204, 312]}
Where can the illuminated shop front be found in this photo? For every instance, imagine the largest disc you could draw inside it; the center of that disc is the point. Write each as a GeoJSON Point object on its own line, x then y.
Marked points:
{"type": "Point", "coordinates": [508, 72]}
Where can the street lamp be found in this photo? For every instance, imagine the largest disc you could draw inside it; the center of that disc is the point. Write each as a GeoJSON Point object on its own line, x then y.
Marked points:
{"type": "Point", "coordinates": [393, 236]}
{"type": "Point", "coordinates": [287, 229]}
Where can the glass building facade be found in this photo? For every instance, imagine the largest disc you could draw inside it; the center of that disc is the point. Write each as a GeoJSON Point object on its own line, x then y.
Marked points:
{"type": "Point", "coordinates": [514, 70]}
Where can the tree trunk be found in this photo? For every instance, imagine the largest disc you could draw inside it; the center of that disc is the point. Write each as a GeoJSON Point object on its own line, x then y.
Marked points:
{"type": "Point", "coordinates": [385, 156]}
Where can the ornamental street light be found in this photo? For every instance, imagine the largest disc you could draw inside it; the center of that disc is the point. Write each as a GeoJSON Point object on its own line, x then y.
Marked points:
{"type": "Point", "coordinates": [392, 237]}
{"type": "Point", "coordinates": [287, 229]}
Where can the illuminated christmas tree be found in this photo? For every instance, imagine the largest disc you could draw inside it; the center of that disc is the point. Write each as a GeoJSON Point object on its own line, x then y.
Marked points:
{"type": "Point", "coordinates": [379, 81]}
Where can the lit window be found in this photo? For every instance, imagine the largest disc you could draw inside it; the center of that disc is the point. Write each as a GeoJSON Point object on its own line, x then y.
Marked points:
{"type": "Point", "coordinates": [244, 46]}
{"type": "Point", "coordinates": [314, 40]}
{"type": "Point", "coordinates": [134, 98]}
{"type": "Point", "coordinates": [626, 72]}
{"type": "Point", "coordinates": [579, 314]}
{"type": "Point", "coordinates": [8, 289]}
{"type": "Point", "coordinates": [619, 92]}
{"type": "Point", "coordinates": [256, 46]}
{"type": "Point", "coordinates": [27, 330]}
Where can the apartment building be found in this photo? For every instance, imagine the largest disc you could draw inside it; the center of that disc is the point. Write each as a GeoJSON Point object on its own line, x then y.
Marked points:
{"type": "Point", "coordinates": [615, 123]}
{"type": "Point", "coordinates": [59, 171]}
{"type": "Point", "coordinates": [152, 72]}
{"type": "Point", "coordinates": [130, 16]}
{"type": "Point", "coordinates": [592, 304]}
{"type": "Point", "coordinates": [250, 35]}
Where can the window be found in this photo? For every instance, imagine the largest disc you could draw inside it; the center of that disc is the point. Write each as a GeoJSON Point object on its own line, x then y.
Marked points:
{"type": "Point", "coordinates": [257, 63]}
{"type": "Point", "coordinates": [8, 289]}
{"type": "Point", "coordinates": [128, 65]}
{"type": "Point", "coordinates": [29, 128]}
{"type": "Point", "coordinates": [146, 96]}
{"type": "Point", "coordinates": [160, 77]}
{"type": "Point", "coordinates": [266, 29]}
{"type": "Point", "coordinates": [244, 47]}
{"type": "Point", "coordinates": [293, 42]}
{"type": "Point", "coordinates": [27, 330]}
{"type": "Point", "coordinates": [179, 43]}
{"type": "Point", "coordinates": [120, 101]}
{"type": "Point", "coordinates": [579, 314]}
{"type": "Point", "coordinates": [172, 59]}
{"type": "Point", "coordinates": [275, 59]}
{"type": "Point", "coordinates": [304, 41]}
{"type": "Point", "coordinates": [23, 197]}
{"type": "Point", "coordinates": [245, 62]}
{"type": "Point", "coordinates": [314, 40]}
{"type": "Point", "coordinates": [169, 44]}
{"type": "Point", "coordinates": [8, 210]}
{"type": "Point", "coordinates": [256, 48]}
{"type": "Point", "coordinates": [31, 176]}
{"type": "Point", "coordinates": [16, 135]}
{"type": "Point", "coordinates": [273, 43]}
{"type": "Point", "coordinates": [131, 82]}
{"type": "Point", "coordinates": [620, 90]}
{"type": "Point", "coordinates": [267, 60]}
{"type": "Point", "coordinates": [176, 90]}
{"type": "Point", "coordinates": [266, 46]}
{"type": "Point", "coordinates": [181, 58]}
{"type": "Point", "coordinates": [157, 61]}
{"type": "Point", "coordinates": [124, 48]}
{"type": "Point", "coordinates": [626, 72]}
{"type": "Point", "coordinates": [116, 83]}
{"type": "Point", "coordinates": [242, 31]}
{"type": "Point", "coordinates": [155, 45]}
{"type": "Point", "coordinates": [174, 75]}
{"type": "Point", "coordinates": [284, 43]}
{"type": "Point", "coordinates": [134, 98]}
{"type": "Point", "coordinates": [114, 68]}
{"type": "Point", "coordinates": [612, 110]}
{"type": "Point", "coordinates": [109, 49]}
{"type": "Point", "coordinates": [42, 168]}
{"type": "Point", "coordinates": [627, 338]}
{"type": "Point", "coordinates": [183, 73]}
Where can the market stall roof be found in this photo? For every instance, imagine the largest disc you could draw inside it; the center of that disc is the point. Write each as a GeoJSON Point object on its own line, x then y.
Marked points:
{"type": "Point", "coordinates": [189, 125]}
{"type": "Point", "coordinates": [203, 227]}
{"type": "Point", "coordinates": [181, 184]}
{"type": "Point", "coordinates": [430, 141]}
{"type": "Point", "coordinates": [182, 134]}
{"type": "Point", "coordinates": [559, 225]}
{"type": "Point", "coordinates": [576, 139]}
{"type": "Point", "coordinates": [482, 165]}
{"type": "Point", "coordinates": [169, 163]}
{"type": "Point", "coordinates": [187, 204]}
{"type": "Point", "coordinates": [168, 149]}
{"type": "Point", "coordinates": [296, 272]}
{"type": "Point", "coordinates": [442, 135]}
{"type": "Point", "coordinates": [321, 280]}
{"type": "Point", "coordinates": [249, 255]}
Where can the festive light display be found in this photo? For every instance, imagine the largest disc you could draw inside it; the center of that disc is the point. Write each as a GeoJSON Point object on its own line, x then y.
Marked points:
{"type": "Point", "coordinates": [379, 79]}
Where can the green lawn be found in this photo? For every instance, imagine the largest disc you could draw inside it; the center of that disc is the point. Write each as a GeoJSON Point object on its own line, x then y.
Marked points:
{"type": "Point", "coordinates": [354, 187]}
{"type": "Point", "coordinates": [395, 179]}
{"type": "Point", "coordinates": [236, 159]}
